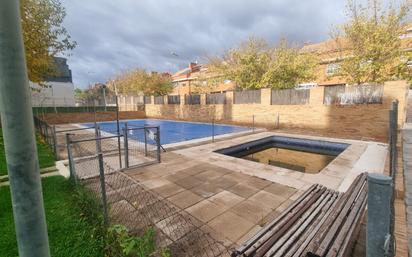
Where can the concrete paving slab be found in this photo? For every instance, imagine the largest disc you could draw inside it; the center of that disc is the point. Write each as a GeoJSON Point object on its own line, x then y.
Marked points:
{"type": "Point", "coordinates": [251, 211]}
{"type": "Point", "coordinates": [205, 210]}
{"type": "Point", "coordinates": [169, 190]}
{"type": "Point", "coordinates": [226, 199]}
{"type": "Point", "coordinates": [185, 199]}
{"type": "Point", "coordinates": [188, 182]}
{"type": "Point", "coordinates": [206, 189]}
{"type": "Point", "coordinates": [231, 225]}
{"type": "Point", "coordinates": [243, 190]}
{"type": "Point", "coordinates": [280, 190]}
{"type": "Point", "coordinates": [268, 200]}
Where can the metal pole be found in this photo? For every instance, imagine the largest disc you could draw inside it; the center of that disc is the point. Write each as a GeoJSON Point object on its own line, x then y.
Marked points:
{"type": "Point", "coordinates": [145, 141]}
{"type": "Point", "coordinates": [54, 141]}
{"type": "Point", "coordinates": [104, 98]}
{"type": "Point", "coordinates": [118, 132]}
{"type": "Point", "coordinates": [253, 123]}
{"type": "Point", "coordinates": [158, 143]}
{"type": "Point", "coordinates": [19, 137]}
{"type": "Point", "coordinates": [126, 145]}
{"type": "Point", "coordinates": [70, 158]}
{"type": "Point", "coordinates": [213, 129]}
{"type": "Point", "coordinates": [103, 188]}
{"type": "Point", "coordinates": [379, 215]}
{"type": "Point", "coordinates": [277, 122]}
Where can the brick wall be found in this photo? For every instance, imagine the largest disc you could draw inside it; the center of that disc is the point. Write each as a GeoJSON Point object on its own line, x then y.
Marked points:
{"type": "Point", "coordinates": [357, 121]}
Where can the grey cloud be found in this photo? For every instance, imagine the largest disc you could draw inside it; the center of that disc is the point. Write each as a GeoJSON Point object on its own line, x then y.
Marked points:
{"type": "Point", "coordinates": [125, 34]}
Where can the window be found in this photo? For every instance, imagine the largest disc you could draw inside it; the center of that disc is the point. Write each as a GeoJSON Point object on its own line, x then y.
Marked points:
{"type": "Point", "coordinates": [332, 68]}
{"type": "Point", "coordinates": [407, 34]}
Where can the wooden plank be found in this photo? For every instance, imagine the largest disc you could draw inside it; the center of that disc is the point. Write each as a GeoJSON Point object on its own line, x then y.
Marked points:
{"type": "Point", "coordinates": [300, 246]}
{"type": "Point", "coordinates": [354, 230]}
{"type": "Point", "coordinates": [318, 238]}
{"type": "Point", "coordinates": [280, 248]}
{"type": "Point", "coordinates": [337, 224]}
{"type": "Point", "coordinates": [273, 237]}
{"type": "Point", "coordinates": [269, 226]}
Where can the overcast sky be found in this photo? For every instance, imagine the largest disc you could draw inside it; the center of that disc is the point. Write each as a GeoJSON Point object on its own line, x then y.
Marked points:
{"type": "Point", "coordinates": [119, 35]}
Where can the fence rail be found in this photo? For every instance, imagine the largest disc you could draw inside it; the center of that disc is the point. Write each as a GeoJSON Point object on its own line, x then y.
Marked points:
{"type": "Point", "coordinates": [290, 97]}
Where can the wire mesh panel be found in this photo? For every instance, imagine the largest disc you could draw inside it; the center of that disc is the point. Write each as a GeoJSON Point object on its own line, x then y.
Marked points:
{"type": "Point", "coordinates": [173, 99]}
{"type": "Point", "coordinates": [159, 99]}
{"type": "Point", "coordinates": [216, 98]}
{"type": "Point", "coordinates": [290, 97]}
{"type": "Point", "coordinates": [142, 145]}
{"type": "Point", "coordinates": [247, 97]}
{"type": "Point", "coordinates": [61, 139]}
{"type": "Point", "coordinates": [46, 131]}
{"type": "Point", "coordinates": [192, 99]}
{"type": "Point", "coordinates": [147, 99]}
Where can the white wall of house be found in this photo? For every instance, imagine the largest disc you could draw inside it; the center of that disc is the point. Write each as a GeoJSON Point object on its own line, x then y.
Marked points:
{"type": "Point", "coordinates": [52, 94]}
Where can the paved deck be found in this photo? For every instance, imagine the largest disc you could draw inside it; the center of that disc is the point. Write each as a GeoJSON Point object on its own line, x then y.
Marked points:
{"type": "Point", "coordinates": [358, 157]}
{"type": "Point", "coordinates": [231, 206]}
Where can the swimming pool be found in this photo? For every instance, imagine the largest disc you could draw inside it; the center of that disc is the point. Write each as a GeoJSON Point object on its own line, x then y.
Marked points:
{"type": "Point", "coordinates": [175, 131]}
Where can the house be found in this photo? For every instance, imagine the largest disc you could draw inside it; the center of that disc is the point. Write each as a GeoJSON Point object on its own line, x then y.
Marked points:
{"type": "Point", "coordinates": [56, 90]}
{"type": "Point", "coordinates": [330, 57]}
{"type": "Point", "coordinates": [193, 79]}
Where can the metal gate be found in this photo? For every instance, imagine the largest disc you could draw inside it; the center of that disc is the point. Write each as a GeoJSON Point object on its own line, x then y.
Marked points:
{"type": "Point", "coordinates": [141, 145]}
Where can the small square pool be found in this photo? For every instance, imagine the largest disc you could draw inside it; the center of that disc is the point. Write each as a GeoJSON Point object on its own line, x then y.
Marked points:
{"type": "Point", "coordinates": [303, 155]}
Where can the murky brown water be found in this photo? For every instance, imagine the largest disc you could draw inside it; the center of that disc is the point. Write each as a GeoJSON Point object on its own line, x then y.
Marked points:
{"type": "Point", "coordinates": [291, 159]}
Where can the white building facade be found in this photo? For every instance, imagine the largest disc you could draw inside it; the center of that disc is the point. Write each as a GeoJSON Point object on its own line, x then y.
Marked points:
{"type": "Point", "coordinates": [56, 91]}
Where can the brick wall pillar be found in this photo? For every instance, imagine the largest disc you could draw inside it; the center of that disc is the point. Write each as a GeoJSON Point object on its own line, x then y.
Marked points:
{"type": "Point", "coordinates": [182, 99]}
{"type": "Point", "coordinates": [202, 99]}
{"type": "Point", "coordinates": [229, 97]}
{"type": "Point", "coordinates": [265, 96]}
{"type": "Point", "coordinates": [316, 96]}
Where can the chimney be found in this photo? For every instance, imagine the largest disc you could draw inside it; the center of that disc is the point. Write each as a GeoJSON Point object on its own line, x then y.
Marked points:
{"type": "Point", "coordinates": [192, 66]}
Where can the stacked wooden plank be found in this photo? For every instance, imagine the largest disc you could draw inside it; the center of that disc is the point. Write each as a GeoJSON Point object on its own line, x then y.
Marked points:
{"type": "Point", "coordinates": [321, 222]}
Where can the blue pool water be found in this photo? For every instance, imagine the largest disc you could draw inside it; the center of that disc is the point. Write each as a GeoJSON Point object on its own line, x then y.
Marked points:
{"type": "Point", "coordinates": [175, 131]}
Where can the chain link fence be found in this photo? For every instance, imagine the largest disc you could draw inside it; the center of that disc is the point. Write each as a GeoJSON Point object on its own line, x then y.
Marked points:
{"type": "Point", "coordinates": [94, 163]}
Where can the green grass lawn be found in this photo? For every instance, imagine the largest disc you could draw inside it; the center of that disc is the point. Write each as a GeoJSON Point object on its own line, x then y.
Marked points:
{"type": "Point", "coordinates": [70, 232]}
{"type": "Point", "coordinates": [45, 154]}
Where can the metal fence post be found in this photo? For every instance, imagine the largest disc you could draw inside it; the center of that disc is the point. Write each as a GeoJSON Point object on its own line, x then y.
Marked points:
{"type": "Point", "coordinates": [54, 141]}
{"type": "Point", "coordinates": [213, 128]}
{"type": "Point", "coordinates": [278, 121]}
{"type": "Point", "coordinates": [253, 123]}
{"type": "Point", "coordinates": [126, 145]}
{"type": "Point", "coordinates": [145, 141]}
{"type": "Point", "coordinates": [118, 132]}
{"type": "Point", "coordinates": [379, 215]}
{"type": "Point", "coordinates": [70, 158]}
{"type": "Point", "coordinates": [158, 143]}
{"type": "Point", "coordinates": [97, 135]}
{"type": "Point", "coordinates": [103, 188]}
